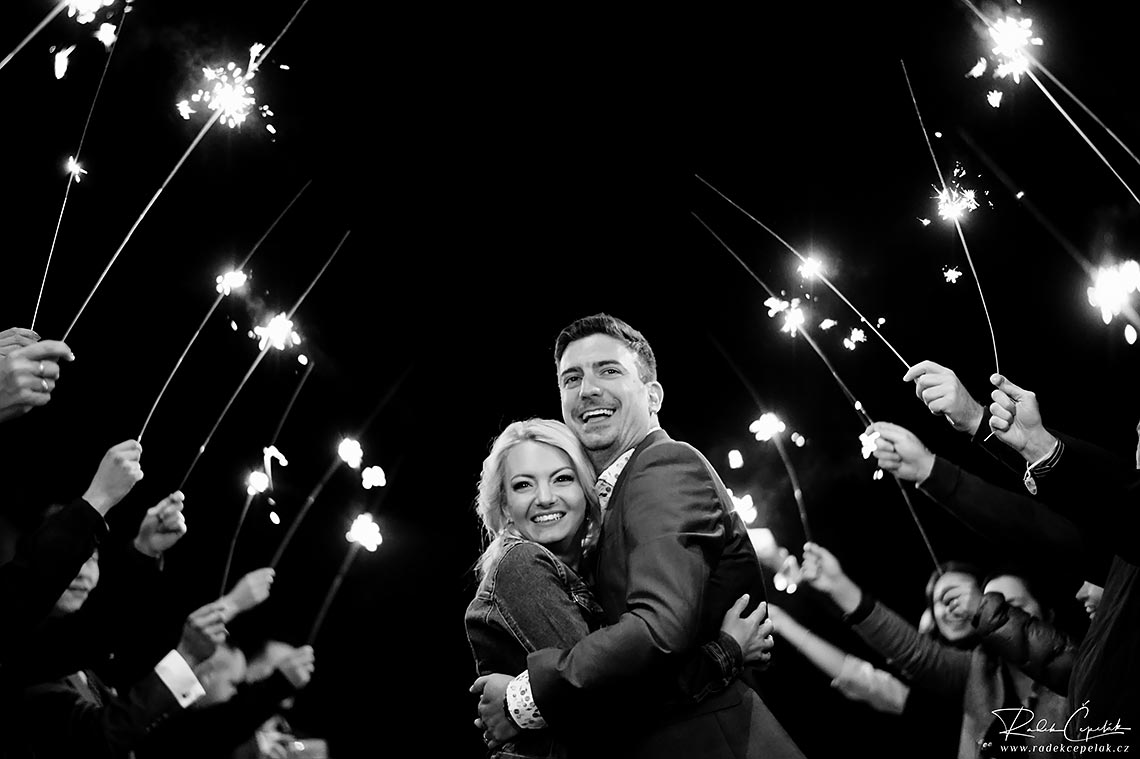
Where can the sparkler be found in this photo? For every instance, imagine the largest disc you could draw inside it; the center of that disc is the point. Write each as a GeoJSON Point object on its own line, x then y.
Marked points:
{"type": "Point", "coordinates": [227, 90]}
{"type": "Point", "coordinates": [857, 336]}
{"type": "Point", "coordinates": [62, 57]}
{"type": "Point", "coordinates": [277, 332]}
{"type": "Point", "coordinates": [955, 219]}
{"type": "Point", "coordinates": [952, 274]}
{"type": "Point", "coordinates": [1112, 287]}
{"type": "Point", "coordinates": [373, 477]}
{"type": "Point", "coordinates": [226, 283]}
{"type": "Point", "coordinates": [864, 417]}
{"type": "Point", "coordinates": [802, 259]}
{"type": "Point", "coordinates": [217, 114]}
{"type": "Point", "coordinates": [257, 361]}
{"type": "Point", "coordinates": [365, 534]}
{"type": "Point", "coordinates": [350, 452]}
{"type": "Point", "coordinates": [31, 35]}
{"type": "Point", "coordinates": [333, 466]}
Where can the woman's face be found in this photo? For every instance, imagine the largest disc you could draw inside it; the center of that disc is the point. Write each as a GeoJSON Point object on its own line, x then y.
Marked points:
{"type": "Point", "coordinates": [545, 500]}
{"type": "Point", "coordinates": [953, 626]}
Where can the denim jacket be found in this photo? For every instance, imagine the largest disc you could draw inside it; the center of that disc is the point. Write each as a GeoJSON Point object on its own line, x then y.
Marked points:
{"type": "Point", "coordinates": [531, 600]}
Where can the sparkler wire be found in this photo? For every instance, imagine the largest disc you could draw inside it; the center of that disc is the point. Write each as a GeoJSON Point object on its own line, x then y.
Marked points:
{"type": "Point", "coordinates": [344, 567]}
{"type": "Point", "coordinates": [31, 35]}
{"type": "Point", "coordinates": [798, 255]}
{"type": "Point", "coordinates": [210, 312]}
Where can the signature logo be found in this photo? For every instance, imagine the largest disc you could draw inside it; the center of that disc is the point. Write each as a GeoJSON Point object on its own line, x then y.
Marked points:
{"type": "Point", "coordinates": [1021, 718]}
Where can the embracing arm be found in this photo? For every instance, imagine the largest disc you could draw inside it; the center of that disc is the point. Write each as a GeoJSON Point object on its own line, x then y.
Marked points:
{"type": "Point", "coordinates": [1038, 648]}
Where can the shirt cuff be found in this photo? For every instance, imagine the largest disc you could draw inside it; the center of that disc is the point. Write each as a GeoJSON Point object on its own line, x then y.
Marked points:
{"type": "Point", "coordinates": [520, 704]}
{"type": "Point", "coordinates": [862, 611]}
{"type": "Point", "coordinates": [1042, 467]}
{"type": "Point", "coordinates": [177, 675]}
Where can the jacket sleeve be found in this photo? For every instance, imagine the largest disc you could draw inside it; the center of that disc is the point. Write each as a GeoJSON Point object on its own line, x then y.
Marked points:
{"type": "Point", "coordinates": [922, 661]}
{"type": "Point", "coordinates": [1015, 520]}
{"type": "Point", "coordinates": [1045, 653]}
{"type": "Point", "coordinates": [859, 681]}
{"type": "Point", "coordinates": [532, 599]}
{"type": "Point", "coordinates": [673, 532]}
{"type": "Point", "coordinates": [59, 722]}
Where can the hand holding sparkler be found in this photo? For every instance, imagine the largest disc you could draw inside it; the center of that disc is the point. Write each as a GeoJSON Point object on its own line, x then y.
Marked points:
{"type": "Point", "coordinates": [899, 452]}
{"type": "Point", "coordinates": [202, 633]}
{"type": "Point", "coordinates": [1017, 422]}
{"type": "Point", "coordinates": [945, 395]}
{"type": "Point", "coordinates": [11, 339]}
{"type": "Point", "coordinates": [753, 633]}
{"type": "Point", "coordinates": [249, 592]}
{"type": "Point", "coordinates": [822, 571]}
{"type": "Point", "coordinates": [28, 375]}
{"type": "Point", "coordinates": [298, 666]}
{"type": "Point", "coordinates": [117, 474]}
{"type": "Point", "coordinates": [162, 527]}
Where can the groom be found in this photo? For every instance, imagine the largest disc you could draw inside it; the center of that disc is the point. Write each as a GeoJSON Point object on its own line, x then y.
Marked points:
{"type": "Point", "coordinates": [671, 560]}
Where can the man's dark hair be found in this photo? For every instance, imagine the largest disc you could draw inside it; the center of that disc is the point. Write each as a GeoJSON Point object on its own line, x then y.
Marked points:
{"type": "Point", "coordinates": [604, 324]}
{"type": "Point", "coordinates": [1031, 580]}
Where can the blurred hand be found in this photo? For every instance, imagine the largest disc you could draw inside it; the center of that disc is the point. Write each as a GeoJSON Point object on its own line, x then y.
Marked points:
{"type": "Point", "coordinates": [962, 601]}
{"type": "Point", "coordinates": [900, 453]}
{"type": "Point", "coordinates": [492, 690]}
{"type": "Point", "coordinates": [250, 591]}
{"type": "Point", "coordinates": [117, 474]}
{"type": "Point", "coordinates": [162, 527]}
{"type": "Point", "coordinates": [298, 666]}
{"type": "Point", "coordinates": [28, 375]}
{"type": "Point", "coordinates": [822, 571]}
{"type": "Point", "coordinates": [752, 633]}
{"type": "Point", "coordinates": [203, 631]}
{"type": "Point", "coordinates": [1016, 420]}
{"type": "Point", "coordinates": [13, 338]}
{"type": "Point", "coordinates": [945, 395]}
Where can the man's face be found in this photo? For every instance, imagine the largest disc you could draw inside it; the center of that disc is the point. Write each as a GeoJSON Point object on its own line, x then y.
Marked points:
{"type": "Point", "coordinates": [1016, 594]}
{"type": "Point", "coordinates": [604, 400]}
{"type": "Point", "coordinates": [76, 594]}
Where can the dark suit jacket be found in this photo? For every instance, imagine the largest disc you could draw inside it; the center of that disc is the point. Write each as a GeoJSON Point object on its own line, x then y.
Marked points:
{"type": "Point", "coordinates": [672, 559]}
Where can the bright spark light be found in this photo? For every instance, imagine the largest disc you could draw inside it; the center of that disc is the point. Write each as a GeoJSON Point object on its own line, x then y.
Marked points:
{"type": "Point", "coordinates": [83, 11]}
{"type": "Point", "coordinates": [365, 532]}
{"type": "Point", "coordinates": [951, 274]}
{"type": "Point", "coordinates": [278, 332]}
{"type": "Point", "coordinates": [350, 452]}
{"type": "Point", "coordinates": [273, 454]}
{"type": "Point", "coordinates": [1020, 195]}
{"type": "Point", "coordinates": [1112, 287]}
{"type": "Point", "coordinates": [106, 35]}
{"type": "Point", "coordinates": [779, 582]}
{"type": "Point", "coordinates": [924, 222]}
{"type": "Point", "coordinates": [303, 360]}
{"type": "Point", "coordinates": [878, 475]}
{"type": "Point", "coordinates": [764, 543]}
{"type": "Point", "coordinates": [798, 439]}
{"type": "Point", "coordinates": [775, 305]}
{"type": "Point", "coordinates": [230, 281]}
{"type": "Point", "coordinates": [74, 169]}
{"type": "Point", "coordinates": [61, 60]}
{"type": "Point", "coordinates": [743, 506]}
{"type": "Point", "coordinates": [766, 427]}
{"type": "Point", "coordinates": [257, 482]}
{"type": "Point", "coordinates": [1130, 334]}
{"type": "Point", "coordinates": [954, 202]}
{"type": "Point", "coordinates": [868, 443]}
{"type": "Point", "coordinates": [857, 336]}
{"type": "Point", "coordinates": [978, 69]}
{"type": "Point", "coordinates": [373, 477]}
{"type": "Point", "coordinates": [827, 324]}
{"type": "Point", "coordinates": [227, 90]}
{"type": "Point", "coordinates": [233, 325]}
{"type": "Point", "coordinates": [1011, 36]}
{"type": "Point", "coordinates": [994, 98]}
{"type": "Point", "coordinates": [881, 322]}
{"type": "Point", "coordinates": [811, 268]}
{"type": "Point", "coordinates": [735, 459]}
{"type": "Point", "coordinates": [274, 518]}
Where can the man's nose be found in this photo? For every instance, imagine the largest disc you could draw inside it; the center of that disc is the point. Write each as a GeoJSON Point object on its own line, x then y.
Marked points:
{"type": "Point", "coordinates": [589, 387]}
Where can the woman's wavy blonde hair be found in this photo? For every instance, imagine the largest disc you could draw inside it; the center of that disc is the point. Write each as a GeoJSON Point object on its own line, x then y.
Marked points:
{"type": "Point", "coordinates": [490, 504]}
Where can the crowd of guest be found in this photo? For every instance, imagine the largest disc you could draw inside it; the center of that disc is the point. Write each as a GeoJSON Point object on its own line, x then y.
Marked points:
{"type": "Point", "coordinates": [86, 670]}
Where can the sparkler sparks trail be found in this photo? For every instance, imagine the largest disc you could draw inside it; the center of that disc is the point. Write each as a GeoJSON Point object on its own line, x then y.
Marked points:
{"type": "Point", "coordinates": [230, 281]}
{"type": "Point", "coordinates": [257, 482]}
{"type": "Point", "coordinates": [32, 34]}
{"type": "Point", "coordinates": [1011, 37]}
{"type": "Point", "coordinates": [228, 90]}
{"type": "Point", "coordinates": [766, 427]}
{"type": "Point", "coordinates": [257, 361]}
{"type": "Point", "coordinates": [373, 477]}
{"type": "Point", "coordinates": [857, 336]}
{"type": "Point", "coordinates": [74, 169]}
{"type": "Point", "coordinates": [364, 533]}
{"type": "Point", "coordinates": [864, 417]}
{"type": "Point", "coordinates": [952, 274]}
{"type": "Point", "coordinates": [61, 61]}
{"type": "Point", "coordinates": [811, 268]}
{"type": "Point", "coordinates": [350, 452]}
{"type": "Point", "coordinates": [827, 324]}
{"type": "Point", "coordinates": [107, 35]}
{"type": "Point", "coordinates": [978, 69]}
{"type": "Point", "coordinates": [217, 301]}
{"type": "Point", "coordinates": [954, 201]}
{"type": "Point", "coordinates": [1112, 287]}
{"type": "Point", "coordinates": [994, 98]}
{"type": "Point", "coordinates": [84, 11]}
{"type": "Point", "coordinates": [802, 259]}
{"type": "Point", "coordinates": [278, 332]}
{"type": "Point", "coordinates": [957, 224]}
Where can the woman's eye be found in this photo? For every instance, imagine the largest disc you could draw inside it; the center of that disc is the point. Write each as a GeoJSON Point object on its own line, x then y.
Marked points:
{"type": "Point", "coordinates": [564, 478]}
{"type": "Point", "coordinates": [520, 486]}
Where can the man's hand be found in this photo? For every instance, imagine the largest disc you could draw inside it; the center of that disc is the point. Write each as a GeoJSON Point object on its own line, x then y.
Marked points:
{"type": "Point", "coordinates": [117, 474]}
{"type": "Point", "coordinates": [822, 571]}
{"type": "Point", "coordinates": [162, 527]}
{"type": "Point", "coordinates": [1017, 422]}
{"type": "Point", "coordinates": [28, 375]}
{"type": "Point", "coordinates": [250, 591]}
{"type": "Point", "coordinates": [203, 631]}
{"type": "Point", "coordinates": [298, 666]}
{"type": "Point", "coordinates": [752, 633]}
{"type": "Point", "coordinates": [492, 690]}
{"type": "Point", "coordinates": [11, 339]}
{"type": "Point", "coordinates": [945, 395]}
{"type": "Point", "coordinates": [900, 453]}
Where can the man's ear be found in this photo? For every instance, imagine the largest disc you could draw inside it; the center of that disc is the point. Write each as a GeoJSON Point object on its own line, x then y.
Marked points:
{"type": "Point", "coordinates": [656, 396]}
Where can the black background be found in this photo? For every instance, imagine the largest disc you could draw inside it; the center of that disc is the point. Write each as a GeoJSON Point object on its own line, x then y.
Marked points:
{"type": "Point", "coordinates": [504, 171]}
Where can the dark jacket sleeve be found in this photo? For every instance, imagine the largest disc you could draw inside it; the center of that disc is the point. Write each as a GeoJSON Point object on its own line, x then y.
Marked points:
{"type": "Point", "coordinates": [1042, 651]}
{"type": "Point", "coordinates": [44, 565]}
{"type": "Point", "coordinates": [922, 661]}
{"type": "Point", "coordinates": [673, 531]}
{"type": "Point", "coordinates": [1014, 520]}
{"type": "Point", "coordinates": [218, 729]}
{"type": "Point", "coordinates": [59, 722]}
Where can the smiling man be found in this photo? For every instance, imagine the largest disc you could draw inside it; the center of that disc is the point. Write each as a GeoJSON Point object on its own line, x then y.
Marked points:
{"type": "Point", "coordinates": [670, 561]}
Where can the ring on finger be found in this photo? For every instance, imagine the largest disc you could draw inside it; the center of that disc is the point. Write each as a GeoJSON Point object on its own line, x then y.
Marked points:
{"type": "Point", "coordinates": [41, 368]}
{"type": "Point", "coordinates": [45, 384]}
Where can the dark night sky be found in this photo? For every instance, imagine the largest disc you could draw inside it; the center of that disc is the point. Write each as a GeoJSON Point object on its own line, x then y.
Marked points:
{"type": "Point", "coordinates": [504, 172]}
